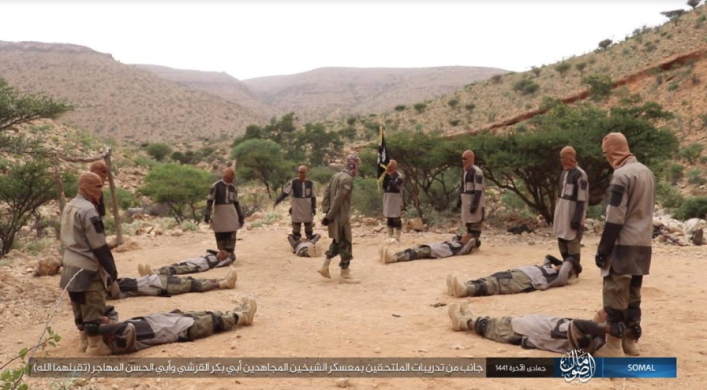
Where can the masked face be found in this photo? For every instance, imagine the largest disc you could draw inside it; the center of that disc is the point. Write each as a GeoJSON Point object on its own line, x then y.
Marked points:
{"type": "Point", "coordinates": [615, 148]}
{"type": "Point", "coordinates": [100, 169]}
{"type": "Point", "coordinates": [568, 158]}
{"type": "Point", "coordinates": [467, 159]}
{"type": "Point", "coordinates": [302, 173]}
{"type": "Point", "coordinates": [392, 167]}
{"type": "Point", "coordinates": [229, 175]}
{"type": "Point", "coordinates": [91, 187]}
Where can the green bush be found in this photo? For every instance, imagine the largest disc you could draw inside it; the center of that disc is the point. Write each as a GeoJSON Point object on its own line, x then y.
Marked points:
{"type": "Point", "coordinates": [182, 188]}
{"type": "Point", "coordinates": [263, 160]}
{"type": "Point", "coordinates": [695, 207]}
{"type": "Point", "coordinates": [124, 197]}
{"type": "Point", "coordinates": [400, 107]}
{"type": "Point", "coordinates": [595, 212]}
{"type": "Point", "coordinates": [453, 103]}
{"type": "Point", "coordinates": [496, 78]}
{"type": "Point", "coordinates": [600, 86]}
{"type": "Point", "coordinates": [366, 198]}
{"type": "Point", "coordinates": [189, 226]}
{"type": "Point", "coordinates": [144, 161]}
{"type": "Point", "coordinates": [420, 107]}
{"type": "Point", "coordinates": [70, 182]}
{"type": "Point", "coordinates": [580, 66]}
{"type": "Point", "coordinates": [351, 120]}
{"type": "Point", "coordinates": [536, 71]}
{"type": "Point", "coordinates": [695, 177]}
{"type": "Point", "coordinates": [674, 173]}
{"type": "Point", "coordinates": [668, 195]}
{"type": "Point", "coordinates": [158, 151]}
{"type": "Point", "coordinates": [321, 175]}
{"type": "Point", "coordinates": [454, 122]}
{"type": "Point", "coordinates": [470, 107]}
{"type": "Point", "coordinates": [526, 87]}
{"type": "Point", "coordinates": [691, 153]}
{"type": "Point", "coordinates": [271, 218]}
{"type": "Point", "coordinates": [562, 68]}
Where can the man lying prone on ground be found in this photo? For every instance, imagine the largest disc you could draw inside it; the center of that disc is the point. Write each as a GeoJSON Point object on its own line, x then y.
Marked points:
{"type": "Point", "coordinates": [212, 259]}
{"type": "Point", "coordinates": [303, 248]}
{"type": "Point", "coordinates": [168, 285]}
{"type": "Point", "coordinates": [552, 273]}
{"type": "Point", "coordinates": [457, 246]}
{"type": "Point", "coordinates": [538, 331]}
{"type": "Point", "coordinates": [139, 333]}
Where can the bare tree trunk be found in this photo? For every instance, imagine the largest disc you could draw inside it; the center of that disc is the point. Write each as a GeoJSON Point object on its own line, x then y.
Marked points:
{"type": "Point", "coordinates": [59, 185]}
{"type": "Point", "coordinates": [116, 215]}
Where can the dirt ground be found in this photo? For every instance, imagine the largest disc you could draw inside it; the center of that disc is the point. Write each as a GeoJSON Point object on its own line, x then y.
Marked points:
{"type": "Point", "coordinates": [301, 314]}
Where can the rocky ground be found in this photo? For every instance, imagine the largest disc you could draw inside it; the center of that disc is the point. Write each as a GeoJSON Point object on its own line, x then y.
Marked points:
{"type": "Point", "coordinates": [394, 312]}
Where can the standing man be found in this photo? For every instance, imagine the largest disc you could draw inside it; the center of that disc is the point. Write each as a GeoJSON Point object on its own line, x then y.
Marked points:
{"type": "Point", "coordinates": [228, 217]}
{"type": "Point", "coordinates": [337, 209]}
{"type": "Point", "coordinates": [472, 196]}
{"type": "Point", "coordinates": [101, 169]}
{"type": "Point", "coordinates": [304, 203]}
{"type": "Point", "coordinates": [88, 266]}
{"type": "Point", "coordinates": [624, 253]}
{"type": "Point", "coordinates": [571, 208]}
{"type": "Point", "coordinates": [393, 199]}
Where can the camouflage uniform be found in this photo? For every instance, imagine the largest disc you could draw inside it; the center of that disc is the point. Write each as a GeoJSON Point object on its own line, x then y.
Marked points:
{"type": "Point", "coordinates": [437, 250]}
{"type": "Point", "coordinates": [197, 264]}
{"type": "Point", "coordinates": [160, 285]}
{"type": "Point", "coordinates": [84, 244]}
{"type": "Point", "coordinates": [337, 206]}
{"type": "Point", "coordinates": [520, 280]}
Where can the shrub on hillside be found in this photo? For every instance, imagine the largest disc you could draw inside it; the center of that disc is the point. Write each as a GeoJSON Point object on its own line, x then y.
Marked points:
{"type": "Point", "coordinates": [693, 3]}
{"type": "Point", "coordinates": [536, 71]}
{"type": "Point", "coordinates": [691, 153]}
{"type": "Point", "coordinates": [496, 78]}
{"type": "Point", "coordinates": [124, 198]}
{"type": "Point", "coordinates": [453, 103]}
{"type": "Point", "coordinates": [694, 207]}
{"type": "Point", "coordinates": [420, 107]}
{"type": "Point", "coordinates": [599, 85]}
{"type": "Point", "coordinates": [674, 172]}
{"type": "Point", "coordinates": [668, 195]}
{"type": "Point", "coordinates": [580, 67]}
{"type": "Point", "coordinates": [400, 107]}
{"type": "Point", "coordinates": [454, 122]}
{"type": "Point", "coordinates": [320, 175]}
{"type": "Point", "coordinates": [603, 45]}
{"type": "Point", "coordinates": [182, 188]}
{"type": "Point", "coordinates": [562, 68]}
{"type": "Point", "coordinates": [366, 199]}
{"type": "Point", "coordinates": [158, 151]}
{"type": "Point", "coordinates": [695, 177]}
{"type": "Point", "coordinates": [526, 86]}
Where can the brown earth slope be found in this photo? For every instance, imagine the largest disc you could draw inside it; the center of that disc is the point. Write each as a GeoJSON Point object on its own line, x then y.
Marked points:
{"type": "Point", "coordinates": [329, 93]}
{"type": "Point", "coordinates": [116, 100]}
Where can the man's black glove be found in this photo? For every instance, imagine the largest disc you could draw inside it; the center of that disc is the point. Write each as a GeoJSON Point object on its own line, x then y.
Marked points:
{"type": "Point", "coordinates": [105, 259]}
{"type": "Point", "coordinates": [314, 211]}
{"type": "Point", "coordinates": [325, 221]}
{"type": "Point", "coordinates": [600, 260]}
{"type": "Point", "coordinates": [575, 225]}
{"type": "Point", "coordinates": [241, 221]}
{"type": "Point", "coordinates": [207, 218]}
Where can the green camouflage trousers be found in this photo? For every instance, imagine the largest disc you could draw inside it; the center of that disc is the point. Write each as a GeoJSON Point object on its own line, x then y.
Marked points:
{"type": "Point", "coordinates": [226, 241]}
{"type": "Point", "coordinates": [418, 252]}
{"type": "Point", "coordinates": [178, 269]}
{"type": "Point", "coordinates": [571, 247]}
{"type": "Point", "coordinates": [622, 298]}
{"type": "Point", "coordinates": [497, 329]}
{"type": "Point", "coordinates": [176, 285]}
{"type": "Point", "coordinates": [90, 305]}
{"type": "Point", "coordinates": [343, 249]}
{"type": "Point", "coordinates": [207, 323]}
{"type": "Point", "coordinates": [508, 282]}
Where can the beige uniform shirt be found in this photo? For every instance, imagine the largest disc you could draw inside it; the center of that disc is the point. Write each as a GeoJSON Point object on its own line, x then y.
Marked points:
{"type": "Point", "coordinates": [627, 236]}
{"type": "Point", "coordinates": [337, 206]}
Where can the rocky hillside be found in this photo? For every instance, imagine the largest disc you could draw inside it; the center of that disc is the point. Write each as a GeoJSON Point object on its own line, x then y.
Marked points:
{"type": "Point", "coordinates": [329, 93]}
{"type": "Point", "coordinates": [664, 64]}
{"type": "Point", "coordinates": [119, 101]}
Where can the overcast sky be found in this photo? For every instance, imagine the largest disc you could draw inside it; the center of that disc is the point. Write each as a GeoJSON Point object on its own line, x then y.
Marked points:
{"type": "Point", "coordinates": [250, 39]}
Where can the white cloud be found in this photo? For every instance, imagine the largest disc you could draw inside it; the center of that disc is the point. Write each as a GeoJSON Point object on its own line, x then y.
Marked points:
{"type": "Point", "coordinates": [268, 38]}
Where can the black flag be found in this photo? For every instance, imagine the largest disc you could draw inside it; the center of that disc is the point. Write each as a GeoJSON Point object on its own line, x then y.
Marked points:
{"type": "Point", "coordinates": [383, 158]}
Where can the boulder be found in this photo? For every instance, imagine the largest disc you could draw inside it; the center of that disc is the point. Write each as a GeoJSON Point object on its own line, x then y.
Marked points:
{"type": "Point", "coordinates": [47, 266]}
{"type": "Point", "coordinates": [255, 217]}
{"type": "Point", "coordinates": [691, 225]}
{"type": "Point", "coordinates": [379, 229]}
{"type": "Point", "coordinates": [598, 227]}
{"type": "Point", "coordinates": [176, 232]}
{"type": "Point", "coordinates": [128, 245]}
{"type": "Point", "coordinates": [415, 224]}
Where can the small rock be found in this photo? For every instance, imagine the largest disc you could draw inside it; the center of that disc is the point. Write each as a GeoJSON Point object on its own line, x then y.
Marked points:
{"type": "Point", "coordinates": [458, 347]}
{"type": "Point", "coordinates": [47, 266]}
{"type": "Point", "coordinates": [377, 350]}
{"type": "Point", "coordinates": [81, 382]}
{"type": "Point", "coordinates": [177, 232]}
{"type": "Point", "coordinates": [415, 224]}
{"type": "Point", "coordinates": [342, 382]}
{"type": "Point", "coordinates": [421, 350]}
{"type": "Point", "coordinates": [128, 245]}
{"type": "Point", "coordinates": [378, 229]}
{"type": "Point", "coordinates": [115, 387]}
{"type": "Point", "coordinates": [233, 346]}
{"type": "Point", "coordinates": [531, 242]}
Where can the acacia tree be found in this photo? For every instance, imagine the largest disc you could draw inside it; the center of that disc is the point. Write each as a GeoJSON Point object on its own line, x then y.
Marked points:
{"type": "Point", "coordinates": [262, 160]}
{"type": "Point", "coordinates": [182, 188]}
{"type": "Point", "coordinates": [527, 163]}
{"type": "Point", "coordinates": [23, 190]}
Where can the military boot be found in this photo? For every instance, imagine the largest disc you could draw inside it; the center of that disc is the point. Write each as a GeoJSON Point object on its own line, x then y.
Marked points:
{"type": "Point", "coordinates": [83, 342]}
{"type": "Point", "coordinates": [245, 310]}
{"type": "Point", "coordinates": [229, 282]}
{"type": "Point", "coordinates": [324, 271]}
{"type": "Point", "coordinates": [96, 347]}
{"type": "Point", "coordinates": [388, 257]}
{"type": "Point", "coordinates": [630, 346]}
{"type": "Point", "coordinates": [141, 269]}
{"type": "Point", "coordinates": [460, 317]}
{"type": "Point", "coordinates": [456, 288]}
{"type": "Point", "coordinates": [612, 348]}
{"type": "Point", "coordinates": [346, 278]}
